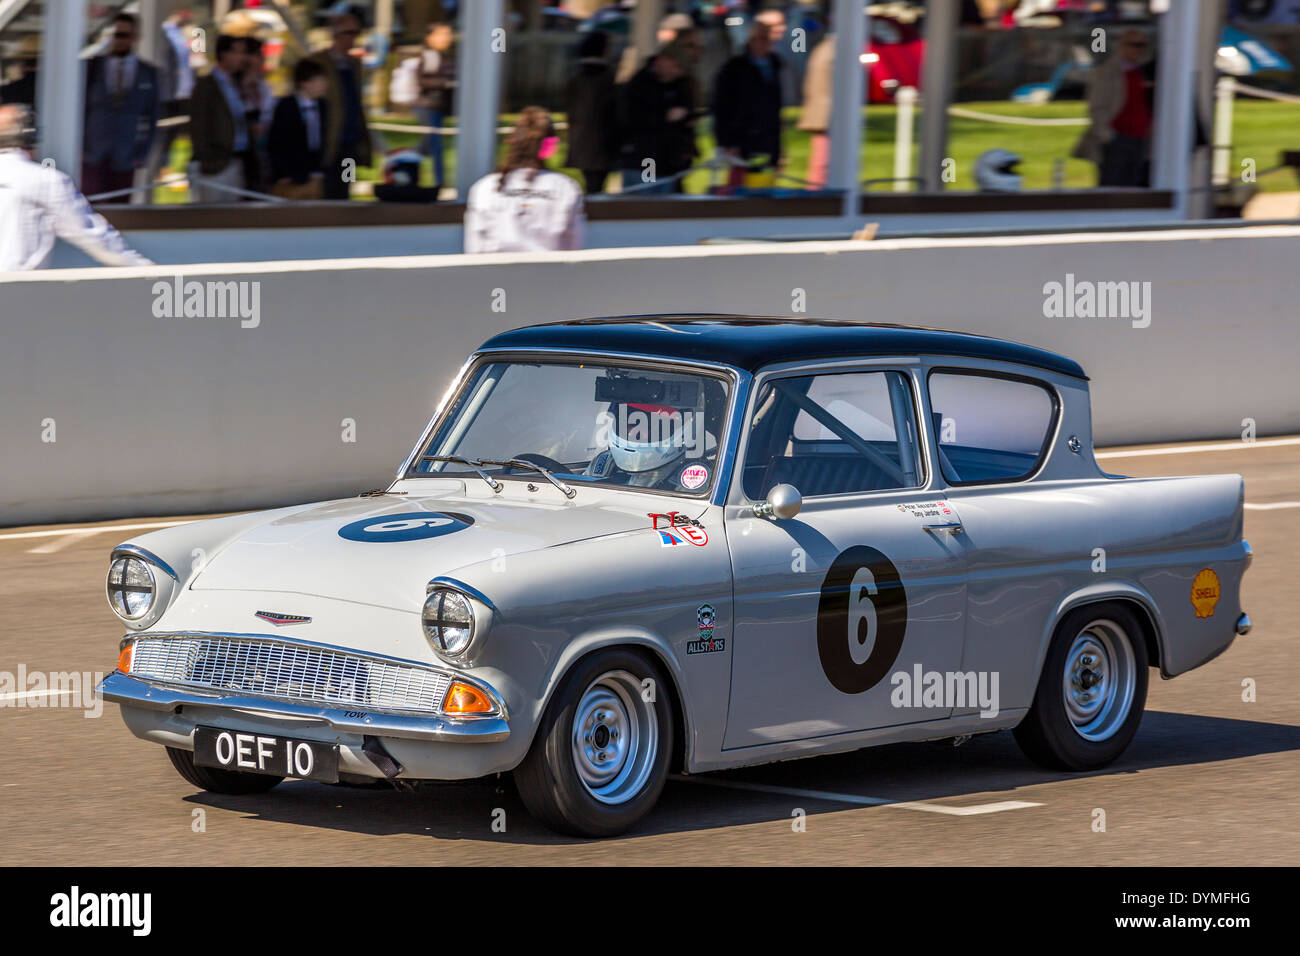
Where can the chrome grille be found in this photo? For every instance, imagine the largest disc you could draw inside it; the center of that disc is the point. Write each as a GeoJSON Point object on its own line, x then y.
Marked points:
{"type": "Point", "coordinates": [298, 672]}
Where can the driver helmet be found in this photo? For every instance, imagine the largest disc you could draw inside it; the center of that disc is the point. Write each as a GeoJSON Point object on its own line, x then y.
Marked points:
{"type": "Point", "coordinates": [646, 437]}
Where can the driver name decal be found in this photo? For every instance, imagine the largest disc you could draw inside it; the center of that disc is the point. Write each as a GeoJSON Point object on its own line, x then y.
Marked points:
{"type": "Point", "coordinates": [384, 529]}
{"type": "Point", "coordinates": [861, 619]}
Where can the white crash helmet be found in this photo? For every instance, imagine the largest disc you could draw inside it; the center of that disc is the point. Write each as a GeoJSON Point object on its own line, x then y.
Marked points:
{"type": "Point", "coordinates": [647, 437]}
{"type": "Point", "coordinates": [995, 171]}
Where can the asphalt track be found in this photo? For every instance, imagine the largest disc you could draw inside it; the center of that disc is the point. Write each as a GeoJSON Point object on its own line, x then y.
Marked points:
{"type": "Point", "coordinates": [1210, 778]}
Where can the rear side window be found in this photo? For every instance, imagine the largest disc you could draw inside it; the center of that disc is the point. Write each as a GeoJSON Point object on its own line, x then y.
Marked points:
{"type": "Point", "coordinates": [833, 434]}
{"type": "Point", "coordinates": [989, 428]}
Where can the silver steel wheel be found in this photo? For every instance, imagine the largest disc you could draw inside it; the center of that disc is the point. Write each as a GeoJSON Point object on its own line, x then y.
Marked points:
{"type": "Point", "coordinates": [1100, 680]}
{"type": "Point", "coordinates": [615, 737]}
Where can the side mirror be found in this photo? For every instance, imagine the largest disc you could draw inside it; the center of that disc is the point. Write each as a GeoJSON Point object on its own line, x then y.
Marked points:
{"type": "Point", "coordinates": [783, 501]}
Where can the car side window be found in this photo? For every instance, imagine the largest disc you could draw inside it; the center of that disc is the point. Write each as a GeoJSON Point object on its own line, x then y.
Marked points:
{"type": "Point", "coordinates": [833, 434]}
{"type": "Point", "coordinates": [989, 428]}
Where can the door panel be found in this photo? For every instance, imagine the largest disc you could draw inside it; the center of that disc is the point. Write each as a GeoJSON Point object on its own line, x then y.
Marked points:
{"type": "Point", "coordinates": [830, 606]}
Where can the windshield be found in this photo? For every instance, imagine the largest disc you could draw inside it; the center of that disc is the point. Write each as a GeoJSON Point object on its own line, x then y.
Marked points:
{"type": "Point", "coordinates": [655, 429]}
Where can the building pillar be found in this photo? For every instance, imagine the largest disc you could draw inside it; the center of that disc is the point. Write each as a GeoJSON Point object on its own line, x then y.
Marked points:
{"type": "Point", "coordinates": [1175, 101]}
{"type": "Point", "coordinates": [847, 104]}
{"type": "Point", "coordinates": [478, 90]}
{"type": "Point", "coordinates": [937, 75]}
{"type": "Point", "coordinates": [60, 86]}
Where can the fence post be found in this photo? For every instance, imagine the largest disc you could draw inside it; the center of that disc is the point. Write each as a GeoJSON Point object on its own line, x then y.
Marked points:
{"type": "Point", "coordinates": [905, 99]}
{"type": "Point", "coordinates": [1225, 91]}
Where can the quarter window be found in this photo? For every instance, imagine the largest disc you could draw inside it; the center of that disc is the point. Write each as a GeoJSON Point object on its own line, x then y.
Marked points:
{"type": "Point", "coordinates": [833, 434]}
{"type": "Point", "coordinates": [989, 429]}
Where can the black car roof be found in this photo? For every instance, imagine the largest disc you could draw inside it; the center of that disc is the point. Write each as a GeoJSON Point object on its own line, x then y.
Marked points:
{"type": "Point", "coordinates": [751, 342]}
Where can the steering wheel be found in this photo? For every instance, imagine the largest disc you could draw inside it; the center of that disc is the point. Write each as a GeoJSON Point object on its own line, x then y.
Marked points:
{"type": "Point", "coordinates": [550, 464]}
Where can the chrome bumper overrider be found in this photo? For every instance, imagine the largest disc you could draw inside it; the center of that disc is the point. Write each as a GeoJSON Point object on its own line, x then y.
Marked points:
{"type": "Point", "coordinates": [130, 692]}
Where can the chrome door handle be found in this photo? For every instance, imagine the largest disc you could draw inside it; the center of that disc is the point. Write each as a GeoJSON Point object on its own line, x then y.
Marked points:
{"type": "Point", "coordinates": [952, 527]}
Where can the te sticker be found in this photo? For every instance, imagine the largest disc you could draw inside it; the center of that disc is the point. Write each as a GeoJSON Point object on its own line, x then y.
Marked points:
{"type": "Point", "coordinates": [861, 619]}
{"type": "Point", "coordinates": [405, 527]}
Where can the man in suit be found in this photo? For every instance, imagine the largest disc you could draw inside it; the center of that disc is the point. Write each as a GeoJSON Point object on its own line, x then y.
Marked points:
{"type": "Point", "coordinates": [218, 127]}
{"type": "Point", "coordinates": [347, 136]}
{"type": "Point", "coordinates": [297, 136]}
{"type": "Point", "coordinates": [122, 111]}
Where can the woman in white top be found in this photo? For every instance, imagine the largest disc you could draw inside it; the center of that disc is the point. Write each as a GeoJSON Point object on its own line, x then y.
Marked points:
{"type": "Point", "coordinates": [523, 206]}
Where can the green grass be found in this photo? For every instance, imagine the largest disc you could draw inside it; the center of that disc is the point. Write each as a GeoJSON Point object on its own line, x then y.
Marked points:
{"type": "Point", "coordinates": [1261, 130]}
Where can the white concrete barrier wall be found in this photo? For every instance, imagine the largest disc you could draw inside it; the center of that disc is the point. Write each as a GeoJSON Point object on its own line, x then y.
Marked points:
{"type": "Point", "coordinates": [152, 414]}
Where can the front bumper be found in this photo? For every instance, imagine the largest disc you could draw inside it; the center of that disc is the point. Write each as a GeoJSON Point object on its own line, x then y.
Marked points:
{"type": "Point", "coordinates": [131, 692]}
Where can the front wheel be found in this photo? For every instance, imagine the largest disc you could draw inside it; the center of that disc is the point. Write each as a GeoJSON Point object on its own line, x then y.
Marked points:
{"type": "Point", "coordinates": [1091, 691]}
{"type": "Point", "coordinates": [216, 780]}
{"type": "Point", "coordinates": [600, 757]}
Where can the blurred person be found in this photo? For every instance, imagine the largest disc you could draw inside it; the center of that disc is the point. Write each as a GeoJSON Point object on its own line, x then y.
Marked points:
{"type": "Point", "coordinates": [39, 204]}
{"type": "Point", "coordinates": [592, 108]}
{"type": "Point", "coordinates": [259, 105]}
{"type": "Point", "coordinates": [437, 80]}
{"type": "Point", "coordinates": [175, 86]}
{"type": "Point", "coordinates": [815, 114]}
{"type": "Point", "coordinates": [657, 123]}
{"type": "Point", "coordinates": [296, 140]}
{"type": "Point", "coordinates": [1121, 108]}
{"type": "Point", "coordinates": [347, 136]}
{"type": "Point", "coordinates": [747, 100]}
{"type": "Point", "coordinates": [122, 112]}
{"type": "Point", "coordinates": [524, 207]}
{"type": "Point", "coordinates": [218, 125]}
{"type": "Point", "coordinates": [22, 88]}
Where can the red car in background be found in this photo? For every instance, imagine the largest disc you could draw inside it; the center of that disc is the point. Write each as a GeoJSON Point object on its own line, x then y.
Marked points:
{"type": "Point", "coordinates": [892, 57]}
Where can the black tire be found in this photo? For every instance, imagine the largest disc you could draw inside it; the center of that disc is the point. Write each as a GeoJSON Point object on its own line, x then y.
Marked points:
{"type": "Point", "coordinates": [1056, 732]}
{"type": "Point", "coordinates": [215, 780]}
{"type": "Point", "coordinates": [549, 779]}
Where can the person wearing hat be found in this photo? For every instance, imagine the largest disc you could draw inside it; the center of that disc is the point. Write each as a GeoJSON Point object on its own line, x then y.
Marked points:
{"type": "Point", "coordinates": [39, 204]}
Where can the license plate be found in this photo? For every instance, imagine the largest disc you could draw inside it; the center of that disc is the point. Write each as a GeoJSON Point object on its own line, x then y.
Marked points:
{"type": "Point", "coordinates": [262, 753]}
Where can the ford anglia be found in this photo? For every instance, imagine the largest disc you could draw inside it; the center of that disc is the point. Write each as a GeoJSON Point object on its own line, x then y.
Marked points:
{"type": "Point", "coordinates": [634, 546]}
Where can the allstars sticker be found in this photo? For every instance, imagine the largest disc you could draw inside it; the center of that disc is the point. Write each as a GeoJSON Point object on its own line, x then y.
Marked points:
{"type": "Point", "coordinates": [706, 643]}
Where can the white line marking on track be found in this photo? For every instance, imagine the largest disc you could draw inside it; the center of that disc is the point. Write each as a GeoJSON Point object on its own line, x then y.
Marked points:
{"type": "Point", "coordinates": [861, 800]}
{"type": "Point", "coordinates": [27, 694]}
{"type": "Point", "coordinates": [92, 529]}
{"type": "Point", "coordinates": [1271, 505]}
{"type": "Point", "coordinates": [55, 545]}
{"type": "Point", "coordinates": [1189, 449]}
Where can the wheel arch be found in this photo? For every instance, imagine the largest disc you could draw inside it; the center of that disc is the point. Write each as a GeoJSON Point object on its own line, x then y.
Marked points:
{"type": "Point", "coordinates": [642, 642]}
{"type": "Point", "coordinates": [1114, 592]}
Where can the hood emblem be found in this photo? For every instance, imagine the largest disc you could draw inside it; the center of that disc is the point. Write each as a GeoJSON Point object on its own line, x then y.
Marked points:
{"type": "Point", "coordinates": [279, 619]}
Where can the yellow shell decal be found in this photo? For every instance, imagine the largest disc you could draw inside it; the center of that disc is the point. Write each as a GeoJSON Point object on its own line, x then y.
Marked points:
{"type": "Point", "coordinates": [1205, 592]}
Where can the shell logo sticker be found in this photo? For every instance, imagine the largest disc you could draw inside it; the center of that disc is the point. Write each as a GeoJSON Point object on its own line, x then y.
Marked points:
{"type": "Point", "coordinates": [1205, 592]}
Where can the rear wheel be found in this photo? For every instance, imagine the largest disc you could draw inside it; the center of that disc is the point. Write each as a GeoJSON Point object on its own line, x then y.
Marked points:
{"type": "Point", "coordinates": [1091, 691]}
{"type": "Point", "coordinates": [215, 780]}
{"type": "Point", "coordinates": [600, 757]}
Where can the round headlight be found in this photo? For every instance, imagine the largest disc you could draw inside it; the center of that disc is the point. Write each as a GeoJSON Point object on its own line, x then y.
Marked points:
{"type": "Point", "coordinates": [131, 588]}
{"type": "Point", "coordinates": [448, 621]}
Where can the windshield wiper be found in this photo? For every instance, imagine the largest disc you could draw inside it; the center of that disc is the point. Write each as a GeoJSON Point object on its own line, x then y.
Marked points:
{"type": "Point", "coordinates": [472, 463]}
{"type": "Point", "coordinates": [533, 466]}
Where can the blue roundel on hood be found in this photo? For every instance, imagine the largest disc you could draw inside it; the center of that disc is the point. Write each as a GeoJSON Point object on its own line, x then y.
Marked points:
{"type": "Point", "coordinates": [405, 527]}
